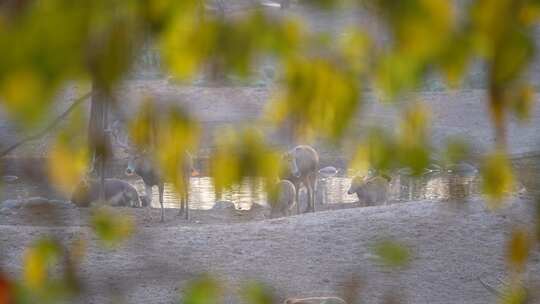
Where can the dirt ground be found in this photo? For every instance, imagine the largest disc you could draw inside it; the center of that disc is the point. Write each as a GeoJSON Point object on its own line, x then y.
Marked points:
{"type": "Point", "coordinates": [307, 255]}
{"type": "Point", "coordinates": [53, 213]}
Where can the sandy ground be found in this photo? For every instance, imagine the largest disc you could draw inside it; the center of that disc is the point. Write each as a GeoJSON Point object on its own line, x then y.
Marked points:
{"type": "Point", "coordinates": [307, 255]}
{"type": "Point", "coordinates": [55, 213]}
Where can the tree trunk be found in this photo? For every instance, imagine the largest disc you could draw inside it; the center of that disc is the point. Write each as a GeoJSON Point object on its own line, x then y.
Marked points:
{"type": "Point", "coordinates": [97, 137]}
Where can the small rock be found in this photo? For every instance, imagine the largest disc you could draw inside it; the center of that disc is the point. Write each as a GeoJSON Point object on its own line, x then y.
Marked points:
{"type": "Point", "coordinates": [9, 178]}
{"type": "Point", "coordinates": [11, 204]}
{"type": "Point", "coordinates": [35, 202]}
{"type": "Point", "coordinates": [256, 206]}
{"type": "Point", "coordinates": [221, 205]}
{"type": "Point", "coordinates": [315, 300]}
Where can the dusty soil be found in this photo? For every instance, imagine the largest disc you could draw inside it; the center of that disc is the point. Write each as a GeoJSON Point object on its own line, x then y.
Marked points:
{"type": "Point", "coordinates": [56, 213]}
{"type": "Point", "coordinates": [306, 255]}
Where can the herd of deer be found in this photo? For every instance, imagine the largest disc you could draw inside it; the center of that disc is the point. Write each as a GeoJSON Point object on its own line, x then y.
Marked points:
{"type": "Point", "coordinates": [302, 169]}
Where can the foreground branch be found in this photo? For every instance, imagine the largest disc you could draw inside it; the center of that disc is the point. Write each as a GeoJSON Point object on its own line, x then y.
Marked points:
{"type": "Point", "coordinates": [52, 125]}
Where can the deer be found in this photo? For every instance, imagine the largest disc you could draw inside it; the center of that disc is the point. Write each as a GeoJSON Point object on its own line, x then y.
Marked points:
{"type": "Point", "coordinates": [141, 164]}
{"type": "Point", "coordinates": [282, 199]}
{"type": "Point", "coordinates": [370, 189]}
{"type": "Point", "coordinates": [303, 165]}
{"type": "Point", "coordinates": [118, 193]}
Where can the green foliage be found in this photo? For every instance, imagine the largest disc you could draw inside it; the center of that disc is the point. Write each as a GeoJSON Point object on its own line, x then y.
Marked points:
{"type": "Point", "coordinates": [421, 32]}
{"type": "Point", "coordinates": [376, 151]}
{"type": "Point", "coordinates": [497, 178]}
{"type": "Point", "coordinates": [38, 283]}
{"type": "Point", "coordinates": [518, 249]}
{"type": "Point", "coordinates": [409, 148]}
{"type": "Point", "coordinates": [203, 290]}
{"type": "Point", "coordinates": [68, 156]}
{"type": "Point", "coordinates": [321, 96]}
{"type": "Point", "coordinates": [239, 155]}
{"type": "Point", "coordinates": [392, 254]}
{"type": "Point", "coordinates": [110, 226]}
{"type": "Point", "coordinates": [456, 150]}
{"type": "Point", "coordinates": [514, 295]}
{"type": "Point", "coordinates": [194, 41]}
{"type": "Point", "coordinates": [413, 141]}
{"type": "Point", "coordinates": [258, 293]}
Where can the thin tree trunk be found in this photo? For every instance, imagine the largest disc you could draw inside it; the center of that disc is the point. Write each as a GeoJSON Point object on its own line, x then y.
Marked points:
{"type": "Point", "coordinates": [96, 134]}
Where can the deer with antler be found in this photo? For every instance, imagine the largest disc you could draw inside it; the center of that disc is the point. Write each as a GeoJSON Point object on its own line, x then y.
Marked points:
{"type": "Point", "coordinates": [141, 164]}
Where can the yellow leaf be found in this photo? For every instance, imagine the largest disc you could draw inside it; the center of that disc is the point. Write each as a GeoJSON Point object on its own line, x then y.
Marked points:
{"type": "Point", "coordinates": [392, 253]}
{"type": "Point", "coordinates": [67, 166]}
{"type": "Point", "coordinates": [524, 102]}
{"type": "Point", "coordinates": [203, 290]}
{"type": "Point", "coordinates": [37, 260]}
{"type": "Point", "coordinates": [111, 226]}
{"type": "Point", "coordinates": [518, 248]}
{"type": "Point", "coordinates": [355, 47]}
{"type": "Point", "coordinates": [22, 92]}
{"type": "Point", "coordinates": [497, 178]}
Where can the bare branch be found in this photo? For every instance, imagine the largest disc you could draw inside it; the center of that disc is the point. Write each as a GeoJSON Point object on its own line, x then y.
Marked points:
{"type": "Point", "coordinates": [51, 126]}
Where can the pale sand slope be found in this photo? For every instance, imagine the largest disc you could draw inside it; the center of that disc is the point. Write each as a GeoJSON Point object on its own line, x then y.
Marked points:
{"type": "Point", "coordinates": [305, 255]}
{"type": "Point", "coordinates": [454, 113]}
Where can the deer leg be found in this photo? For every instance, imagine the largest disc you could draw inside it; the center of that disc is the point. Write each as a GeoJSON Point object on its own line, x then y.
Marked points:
{"type": "Point", "coordinates": [148, 191]}
{"type": "Point", "coordinates": [297, 198]}
{"type": "Point", "coordinates": [161, 188]}
{"type": "Point", "coordinates": [181, 211]}
{"type": "Point", "coordinates": [186, 202]}
{"type": "Point", "coordinates": [313, 181]}
{"type": "Point", "coordinates": [305, 182]}
{"type": "Point", "coordinates": [310, 198]}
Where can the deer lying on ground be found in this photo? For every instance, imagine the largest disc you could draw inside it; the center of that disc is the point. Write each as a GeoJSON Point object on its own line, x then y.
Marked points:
{"type": "Point", "coordinates": [303, 166]}
{"type": "Point", "coordinates": [118, 193]}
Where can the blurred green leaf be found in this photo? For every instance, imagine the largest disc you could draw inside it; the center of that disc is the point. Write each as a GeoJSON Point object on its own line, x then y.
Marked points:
{"type": "Point", "coordinates": [457, 150]}
{"type": "Point", "coordinates": [497, 178]}
{"type": "Point", "coordinates": [392, 253]}
{"type": "Point", "coordinates": [67, 165]}
{"type": "Point", "coordinates": [177, 134]}
{"type": "Point", "coordinates": [413, 140]}
{"type": "Point", "coordinates": [523, 102]}
{"type": "Point", "coordinates": [518, 248]}
{"type": "Point", "coordinates": [21, 93]}
{"type": "Point", "coordinates": [110, 226]}
{"type": "Point", "coordinates": [421, 31]}
{"type": "Point", "coordinates": [258, 293]}
{"type": "Point", "coordinates": [239, 155]}
{"type": "Point", "coordinates": [42, 281]}
{"type": "Point", "coordinates": [203, 290]}
{"type": "Point", "coordinates": [321, 96]}
{"type": "Point", "coordinates": [377, 151]}
{"type": "Point", "coordinates": [38, 258]}
{"type": "Point", "coordinates": [356, 47]}
{"type": "Point", "coordinates": [515, 294]}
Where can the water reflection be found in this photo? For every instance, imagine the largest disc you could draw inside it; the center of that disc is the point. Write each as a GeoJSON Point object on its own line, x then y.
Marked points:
{"type": "Point", "coordinates": [439, 186]}
{"type": "Point", "coordinates": [202, 194]}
